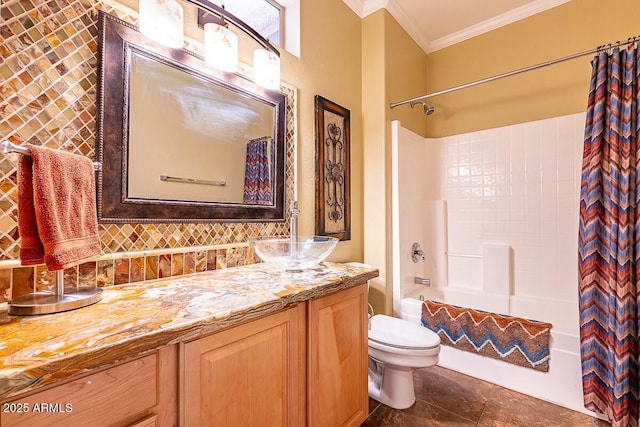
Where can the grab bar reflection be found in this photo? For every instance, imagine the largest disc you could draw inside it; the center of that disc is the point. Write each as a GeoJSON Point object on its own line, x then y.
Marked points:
{"type": "Point", "coordinates": [219, 183]}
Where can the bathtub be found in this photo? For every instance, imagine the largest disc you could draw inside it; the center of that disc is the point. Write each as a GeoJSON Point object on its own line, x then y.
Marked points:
{"type": "Point", "coordinates": [561, 385]}
{"type": "Point", "coordinates": [411, 303]}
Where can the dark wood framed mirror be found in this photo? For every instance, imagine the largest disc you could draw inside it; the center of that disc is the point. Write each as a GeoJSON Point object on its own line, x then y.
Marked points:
{"type": "Point", "coordinates": [180, 141]}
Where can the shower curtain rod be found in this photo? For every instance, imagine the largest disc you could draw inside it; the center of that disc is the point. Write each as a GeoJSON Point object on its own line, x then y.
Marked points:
{"type": "Point", "coordinates": [515, 72]}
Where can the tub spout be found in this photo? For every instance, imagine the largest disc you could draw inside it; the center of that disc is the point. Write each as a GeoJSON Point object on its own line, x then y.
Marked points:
{"type": "Point", "coordinates": [422, 281]}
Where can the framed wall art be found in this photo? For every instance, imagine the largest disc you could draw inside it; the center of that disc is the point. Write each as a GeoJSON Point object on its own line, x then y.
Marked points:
{"type": "Point", "coordinates": [333, 187]}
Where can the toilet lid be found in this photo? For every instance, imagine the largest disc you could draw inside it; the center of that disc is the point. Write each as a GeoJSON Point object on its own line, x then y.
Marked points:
{"type": "Point", "coordinates": [395, 332]}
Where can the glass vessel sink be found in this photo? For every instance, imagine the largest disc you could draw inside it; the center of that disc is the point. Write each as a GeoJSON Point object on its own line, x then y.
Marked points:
{"type": "Point", "coordinates": [307, 251]}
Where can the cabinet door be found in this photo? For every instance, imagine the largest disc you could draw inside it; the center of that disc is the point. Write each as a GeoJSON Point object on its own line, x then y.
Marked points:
{"type": "Point", "coordinates": [248, 375]}
{"type": "Point", "coordinates": [337, 382]}
{"type": "Point", "coordinates": [118, 396]}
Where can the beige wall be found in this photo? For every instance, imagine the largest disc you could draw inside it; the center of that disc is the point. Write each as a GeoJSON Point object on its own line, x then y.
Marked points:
{"type": "Point", "coordinates": [557, 90]}
{"type": "Point", "coordinates": [329, 66]}
{"type": "Point", "coordinates": [375, 195]}
{"type": "Point", "coordinates": [393, 65]}
{"type": "Point", "coordinates": [406, 68]}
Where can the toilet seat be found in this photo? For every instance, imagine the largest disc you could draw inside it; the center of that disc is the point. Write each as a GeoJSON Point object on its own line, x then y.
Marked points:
{"type": "Point", "coordinates": [399, 336]}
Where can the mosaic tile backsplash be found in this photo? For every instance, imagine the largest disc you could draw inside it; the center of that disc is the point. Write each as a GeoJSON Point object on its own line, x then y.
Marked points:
{"type": "Point", "coordinates": [48, 97]}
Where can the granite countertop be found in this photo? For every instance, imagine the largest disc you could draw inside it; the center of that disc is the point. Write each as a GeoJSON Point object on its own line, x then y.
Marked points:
{"type": "Point", "coordinates": [136, 319]}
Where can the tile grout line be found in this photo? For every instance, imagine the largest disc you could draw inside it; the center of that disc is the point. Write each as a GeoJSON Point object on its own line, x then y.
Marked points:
{"type": "Point", "coordinates": [448, 410]}
{"type": "Point", "coordinates": [484, 408]}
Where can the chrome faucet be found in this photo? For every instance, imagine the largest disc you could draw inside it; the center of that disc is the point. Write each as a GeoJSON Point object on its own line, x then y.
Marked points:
{"type": "Point", "coordinates": [293, 227]}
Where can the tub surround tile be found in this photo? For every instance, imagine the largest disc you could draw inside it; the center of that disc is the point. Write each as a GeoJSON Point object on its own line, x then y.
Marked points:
{"type": "Point", "coordinates": [134, 319]}
{"type": "Point", "coordinates": [519, 185]}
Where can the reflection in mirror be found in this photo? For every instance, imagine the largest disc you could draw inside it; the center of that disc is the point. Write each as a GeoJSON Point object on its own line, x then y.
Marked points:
{"type": "Point", "coordinates": [174, 118]}
{"type": "Point", "coordinates": [181, 141]}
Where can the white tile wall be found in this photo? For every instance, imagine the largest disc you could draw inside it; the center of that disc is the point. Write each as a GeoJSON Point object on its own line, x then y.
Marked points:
{"type": "Point", "coordinates": [518, 186]}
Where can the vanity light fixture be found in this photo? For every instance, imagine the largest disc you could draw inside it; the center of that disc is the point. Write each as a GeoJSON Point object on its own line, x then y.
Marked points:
{"type": "Point", "coordinates": [159, 21]}
{"type": "Point", "coordinates": [266, 59]}
{"type": "Point", "coordinates": [162, 21]}
{"type": "Point", "coordinates": [266, 68]}
{"type": "Point", "coordinates": [220, 47]}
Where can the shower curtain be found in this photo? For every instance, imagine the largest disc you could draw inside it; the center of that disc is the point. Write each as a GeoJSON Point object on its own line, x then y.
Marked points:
{"type": "Point", "coordinates": [257, 173]}
{"type": "Point", "coordinates": [609, 239]}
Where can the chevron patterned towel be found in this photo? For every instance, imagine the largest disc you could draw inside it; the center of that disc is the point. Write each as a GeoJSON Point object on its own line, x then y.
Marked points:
{"type": "Point", "coordinates": [511, 339]}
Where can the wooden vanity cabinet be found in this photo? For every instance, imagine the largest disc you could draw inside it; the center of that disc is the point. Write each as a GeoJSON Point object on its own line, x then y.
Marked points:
{"type": "Point", "coordinates": [138, 393]}
{"type": "Point", "coordinates": [248, 375]}
{"type": "Point", "coordinates": [337, 359]}
{"type": "Point", "coordinates": [306, 365]}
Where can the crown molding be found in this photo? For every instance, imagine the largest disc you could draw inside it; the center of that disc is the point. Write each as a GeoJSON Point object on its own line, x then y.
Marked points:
{"type": "Point", "coordinates": [494, 23]}
{"type": "Point", "coordinates": [364, 8]}
{"type": "Point", "coordinates": [370, 6]}
{"type": "Point", "coordinates": [356, 5]}
{"type": "Point", "coordinates": [408, 24]}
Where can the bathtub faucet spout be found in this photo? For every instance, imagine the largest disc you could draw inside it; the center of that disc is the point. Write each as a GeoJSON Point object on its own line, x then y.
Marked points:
{"type": "Point", "coordinates": [422, 281]}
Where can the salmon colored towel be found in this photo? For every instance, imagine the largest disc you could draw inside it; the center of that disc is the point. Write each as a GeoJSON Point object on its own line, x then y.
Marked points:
{"type": "Point", "coordinates": [57, 218]}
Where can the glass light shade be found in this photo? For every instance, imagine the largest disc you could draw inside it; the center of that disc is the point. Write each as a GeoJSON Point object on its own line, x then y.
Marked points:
{"type": "Point", "coordinates": [221, 47]}
{"type": "Point", "coordinates": [162, 21]}
{"type": "Point", "coordinates": [266, 68]}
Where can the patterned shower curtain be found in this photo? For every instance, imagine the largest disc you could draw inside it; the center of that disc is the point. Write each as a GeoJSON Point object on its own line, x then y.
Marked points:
{"type": "Point", "coordinates": [609, 239]}
{"type": "Point", "coordinates": [257, 173]}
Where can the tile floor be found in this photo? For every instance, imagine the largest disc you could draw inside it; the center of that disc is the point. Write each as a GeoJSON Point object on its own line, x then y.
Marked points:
{"type": "Point", "coordinates": [448, 398]}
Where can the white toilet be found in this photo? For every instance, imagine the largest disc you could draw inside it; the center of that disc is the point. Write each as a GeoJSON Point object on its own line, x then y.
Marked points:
{"type": "Point", "coordinates": [396, 348]}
